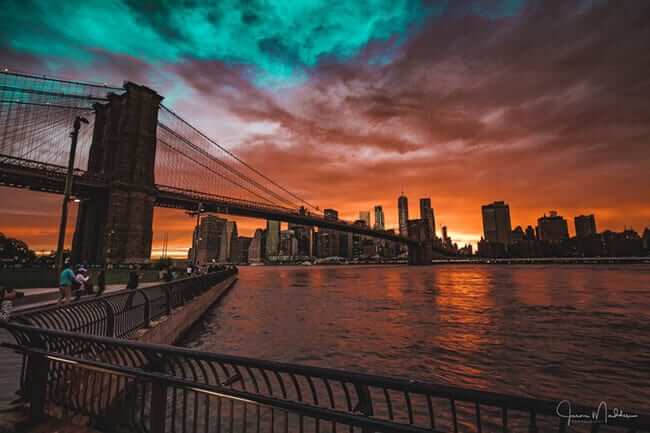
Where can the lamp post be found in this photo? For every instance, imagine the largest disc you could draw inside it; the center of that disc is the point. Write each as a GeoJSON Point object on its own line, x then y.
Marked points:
{"type": "Point", "coordinates": [74, 135]}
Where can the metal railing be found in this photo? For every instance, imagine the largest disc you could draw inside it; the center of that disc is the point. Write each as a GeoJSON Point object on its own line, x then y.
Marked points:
{"type": "Point", "coordinates": [122, 313]}
{"type": "Point", "coordinates": [154, 388]}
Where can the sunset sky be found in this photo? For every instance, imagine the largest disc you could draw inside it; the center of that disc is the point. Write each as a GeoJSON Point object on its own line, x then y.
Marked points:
{"type": "Point", "coordinates": [543, 104]}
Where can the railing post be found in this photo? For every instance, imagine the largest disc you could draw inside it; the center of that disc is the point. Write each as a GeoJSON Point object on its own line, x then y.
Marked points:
{"type": "Point", "coordinates": [168, 297]}
{"type": "Point", "coordinates": [147, 309]}
{"type": "Point", "coordinates": [158, 407]}
{"type": "Point", "coordinates": [37, 369]}
{"type": "Point", "coordinates": [364, 405]}
{"type": "Point", "coordinates": [37, 378]}
{"type": "Point", "coordinates": [110, 319]}
{"type": "Point", "coordinates": [158, 413]}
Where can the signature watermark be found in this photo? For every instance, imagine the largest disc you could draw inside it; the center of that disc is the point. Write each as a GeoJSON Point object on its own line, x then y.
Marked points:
{"type": "Point", "coordinates": [600, 415]}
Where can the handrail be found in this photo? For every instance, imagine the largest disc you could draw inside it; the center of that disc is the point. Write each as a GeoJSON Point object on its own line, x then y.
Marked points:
{"type": "Point", "coordinates": [359, 394]}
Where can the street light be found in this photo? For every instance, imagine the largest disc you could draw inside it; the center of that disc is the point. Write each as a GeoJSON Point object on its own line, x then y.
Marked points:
{"type": "Point", "coordinates": [74, 135]}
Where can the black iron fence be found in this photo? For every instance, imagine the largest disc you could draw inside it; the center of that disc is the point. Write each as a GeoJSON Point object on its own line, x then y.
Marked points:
{"type": "Point", "coordinates": [122, 313]}
{"type": "Point", "coordinates": [75, 365]}
{"type": "Point", "coordinates": [154, 388]}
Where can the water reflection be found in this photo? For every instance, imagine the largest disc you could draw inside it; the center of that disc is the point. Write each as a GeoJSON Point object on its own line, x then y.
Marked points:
{"type": "Point", "coordinates": [574, 332]}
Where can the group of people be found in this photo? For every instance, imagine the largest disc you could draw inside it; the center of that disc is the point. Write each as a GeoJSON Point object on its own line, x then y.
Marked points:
{"type": "Point", "coordinates": [77, 282]}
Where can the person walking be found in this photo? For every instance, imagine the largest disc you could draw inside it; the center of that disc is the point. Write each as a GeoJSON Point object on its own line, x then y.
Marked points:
{"type": "Point", "coordinates": [66, 281]}
{"type": "Point", "coordinates": [7, 297]}
{"type": "Point", "coordinates": [83, 280]}
{"type": "Point", "coordinates": [101, 282]}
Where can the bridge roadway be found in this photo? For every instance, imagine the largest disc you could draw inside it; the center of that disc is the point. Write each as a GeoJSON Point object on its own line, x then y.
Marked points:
{"type": "Point", "coordinates": [21, 173]}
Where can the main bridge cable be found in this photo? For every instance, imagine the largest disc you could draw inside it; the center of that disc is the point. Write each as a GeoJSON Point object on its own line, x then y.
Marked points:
{"type": "Point", "coordinates": [211, 141]}
{"type": "Point", "coordinates": [34, 77]}
{"type": "Point", "coordinates": [226, 166]}
{"type": "Point", "coordinates": [212, 170]}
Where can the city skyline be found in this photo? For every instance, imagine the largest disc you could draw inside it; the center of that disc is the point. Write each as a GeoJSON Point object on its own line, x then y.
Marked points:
{"type": "Point", "coordinates": [489, 120]}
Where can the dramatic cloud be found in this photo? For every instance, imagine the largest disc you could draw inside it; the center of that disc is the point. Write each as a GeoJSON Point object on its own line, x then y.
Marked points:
{"type": "Point", "coordinates": [543, 104]}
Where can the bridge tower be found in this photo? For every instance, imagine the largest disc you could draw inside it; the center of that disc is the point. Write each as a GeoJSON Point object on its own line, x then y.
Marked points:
{"type": "Point", "coordinates": [115, 225]}
{"type": "Point", "coordinates": [422, 253]}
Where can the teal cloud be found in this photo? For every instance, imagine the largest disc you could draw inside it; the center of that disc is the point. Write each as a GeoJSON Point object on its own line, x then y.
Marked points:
{"type": "Point", "coordinates": [275, 37]}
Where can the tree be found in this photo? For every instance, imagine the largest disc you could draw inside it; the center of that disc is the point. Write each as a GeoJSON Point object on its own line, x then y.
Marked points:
{"type": "Point", "coordinates": [15, 251]}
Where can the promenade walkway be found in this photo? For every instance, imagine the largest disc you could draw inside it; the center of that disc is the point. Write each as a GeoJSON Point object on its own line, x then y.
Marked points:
{"type": "Point", "coordinates": [46, 296]}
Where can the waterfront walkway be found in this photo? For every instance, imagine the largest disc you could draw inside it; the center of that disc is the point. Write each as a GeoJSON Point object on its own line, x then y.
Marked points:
{"type": "Point", "coordinates": [46, 296]}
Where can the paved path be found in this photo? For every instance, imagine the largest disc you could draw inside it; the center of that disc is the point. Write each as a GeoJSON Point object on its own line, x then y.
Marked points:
{"type": "Point", "coordinates": [46, 296]}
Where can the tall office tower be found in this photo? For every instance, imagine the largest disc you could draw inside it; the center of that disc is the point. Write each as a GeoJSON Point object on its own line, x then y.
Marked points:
{"type": "Point", "coordinates": [257, 247]}
{"type": "Point", "coordinates": [379, 218]}
{"type": "Point", "coordinates": [230, 236]}
{"type": "Point", "coordinates": [496, 222]}
{"type": "Point", "coordinates": [552, 227]}
{"type": "Point", "coordinates": [305, 237]}
{"type": "Point", "coordinates": [426, 214]}
{"type": "Point", "coordinates": [212, 230]}
{"type": "Point", "coordinates": [364, 215]}
{"type": "Point", "coordinates": [445, 239]}
{"type": "Point", "coordinates": [585, 225]}
{"type": "Point", "coordinates": [272, 238]}
{"type": "Point", "coordinates": [403, 215]}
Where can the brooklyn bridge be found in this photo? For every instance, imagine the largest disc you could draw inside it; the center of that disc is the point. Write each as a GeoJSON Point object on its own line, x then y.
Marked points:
{"type": "Point", "coordinates": [136, 154]}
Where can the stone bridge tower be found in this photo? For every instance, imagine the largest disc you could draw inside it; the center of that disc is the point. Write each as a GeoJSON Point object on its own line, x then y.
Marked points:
{"type": "Point", "coordinates": [115, 225]}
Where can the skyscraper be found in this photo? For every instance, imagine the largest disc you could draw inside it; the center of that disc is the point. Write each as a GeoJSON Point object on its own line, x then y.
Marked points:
{"type": "Point", "coordinates": [496, 222]}
{"type": "Point", "coordinates": [585, 225]}
{"type": "Point", "coordinates": [426, 214]}
{"type": "Point", "coordinates": [403, 215]}
{"type": "Point", "coordinates": [256, 247]}
{"type": "Point", "coordinates": [211, 233]}
{"type": "Point", "coordinates": [552, 227]}
{"type": "Point", "coordinates": [227, 241]}
{"type": "Point", "coordinates": [379, 218]}
{"type": "Point", "coordinates": [272, 238]}
{"type": "Point", "coordinates": [328, 239]}
{"type": "Point", "coordinates": [364, 215]}
{"type": "Point", "coordinates": [305, 238]}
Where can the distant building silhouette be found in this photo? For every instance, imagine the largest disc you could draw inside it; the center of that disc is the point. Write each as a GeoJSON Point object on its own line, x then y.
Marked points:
{"type": "Point", "coordinates": [364, 215]}
{"type": "Point", "coordinates": [327, 240]}
{"type": "Point", "coordinates": [426, 214]}
{"type": "Point", "coordinates": [552, 228]}
{"type": "Point", "coordinates": [210, 239]}
{"type": "Point", "coordinates": [530, 234]}
{"type": "Point", "coordinates": [517, 235]}
{"type": "Point", "coordinates": [380, 223]}
{"type": "Point", "coordinates": [240, 251]}
{"type": "Point", "coordinates": [305, 238]}
{"type": "Point", "coordinates": [272, 238]}
{"type": "Point", "coordinates": [257, 247]}
{"type": "Point", "coordinates": [585, 225]}
{"type": "Point", "coordinates": [496, 222]}
{"type": "Point", "coordinates": [403, 214]}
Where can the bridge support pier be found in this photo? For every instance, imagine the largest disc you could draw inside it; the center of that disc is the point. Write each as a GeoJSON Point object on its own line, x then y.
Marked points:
{"type": "Point", "coordinates": [115, 226]}
{"type": "Point", "coordinates": [421, 254]}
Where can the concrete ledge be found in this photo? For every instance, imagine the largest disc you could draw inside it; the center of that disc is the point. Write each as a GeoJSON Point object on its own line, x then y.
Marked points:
{"type": "Point", "coordinates": [169, 329]}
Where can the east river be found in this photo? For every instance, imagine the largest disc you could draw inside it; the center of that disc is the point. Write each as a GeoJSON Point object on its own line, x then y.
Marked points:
{"type": "Point", "coordinates": [561, 331]}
